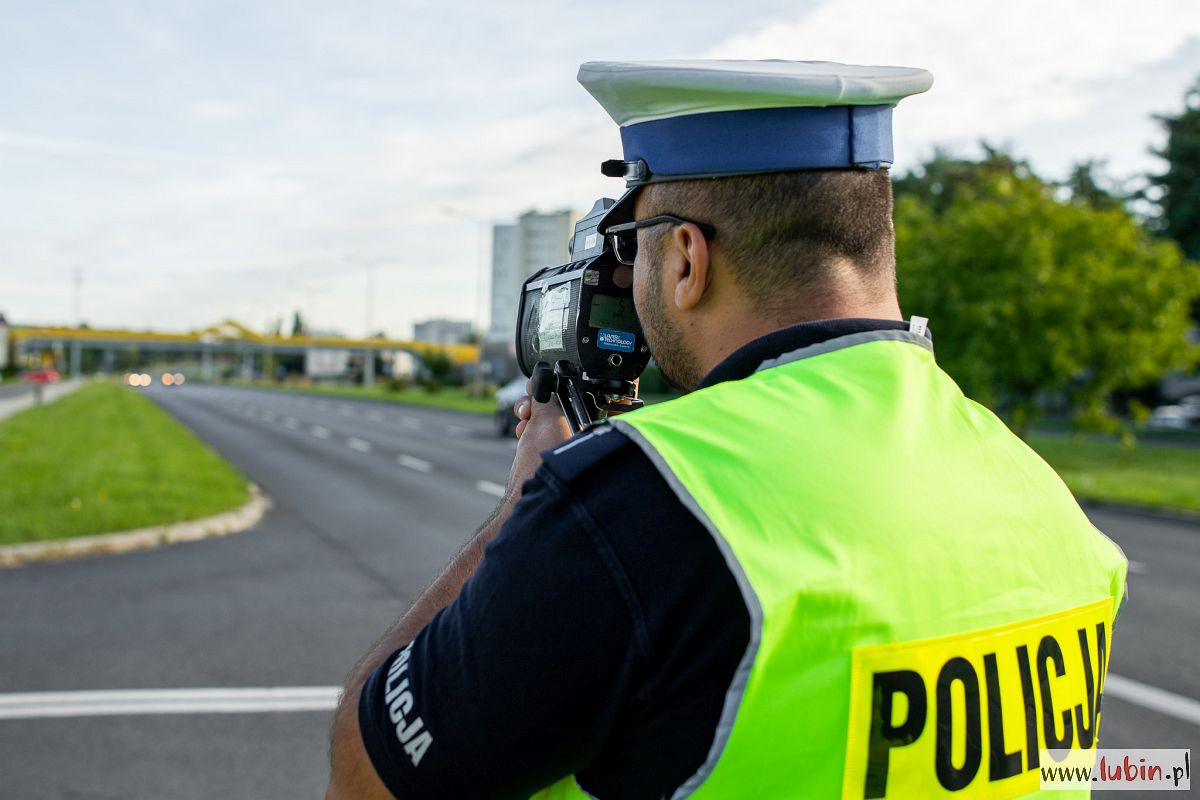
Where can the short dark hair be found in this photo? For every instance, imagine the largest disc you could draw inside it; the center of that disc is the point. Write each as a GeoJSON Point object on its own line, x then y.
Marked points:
{"type": "Point", "coordinates": [782, 232]}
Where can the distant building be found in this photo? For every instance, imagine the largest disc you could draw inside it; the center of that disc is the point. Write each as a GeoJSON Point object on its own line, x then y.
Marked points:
{"type": "Point", "coordinates": [325, 362]}
{"type": "Point", "coordinates": [322, 362]}
{"type": "Point", "coordinates": [442, 331]}
{"type": "Point", "coordinates": [535, 241]}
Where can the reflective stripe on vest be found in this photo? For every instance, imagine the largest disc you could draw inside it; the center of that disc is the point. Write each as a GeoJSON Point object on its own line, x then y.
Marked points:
{"type": "Point", "coordinates": [929, 605]}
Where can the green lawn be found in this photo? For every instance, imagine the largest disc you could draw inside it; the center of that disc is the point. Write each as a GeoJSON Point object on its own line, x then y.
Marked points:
{"type": "Point", "coordinates": [455, 398]}
{"type": "Point", "coordinates": [105, 459]}
{"type": "Point", "coordinates": [1144, 475]}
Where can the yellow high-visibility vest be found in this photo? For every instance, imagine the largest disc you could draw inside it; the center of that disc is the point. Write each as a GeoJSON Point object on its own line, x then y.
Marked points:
{"type": "Point", "coordinates": [929, 606]}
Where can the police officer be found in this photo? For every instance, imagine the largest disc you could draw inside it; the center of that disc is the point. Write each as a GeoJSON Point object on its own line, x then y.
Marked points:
{"type": "Point", "coordinates": [822, 572]}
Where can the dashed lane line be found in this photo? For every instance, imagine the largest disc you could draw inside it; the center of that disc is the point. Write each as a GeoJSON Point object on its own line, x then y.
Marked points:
{"type": "Point", "coordinates": [457, 432]}
{"type": "Point", "coordinates": [487, 487]}
{"type": "Point", "coordinates": [319, 432]}
{"type": "Point", "coordinates": [361, 445]}
{"type": "Point", "coordinates": [125, 702]}
{"type": "Point", "coordinates": [292, 423]}
{"type": "Point", "coordinates": [417, 464]}
{"type": "Point", "coordinates": [411, 422]}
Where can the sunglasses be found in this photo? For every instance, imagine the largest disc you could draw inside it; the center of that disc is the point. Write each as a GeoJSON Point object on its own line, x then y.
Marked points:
{"type": "Point", "coordinates": [624, 236]}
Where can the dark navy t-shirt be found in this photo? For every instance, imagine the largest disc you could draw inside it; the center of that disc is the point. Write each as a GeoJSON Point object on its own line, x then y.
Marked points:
{"type": "Point", "coordinates": [597, 638]}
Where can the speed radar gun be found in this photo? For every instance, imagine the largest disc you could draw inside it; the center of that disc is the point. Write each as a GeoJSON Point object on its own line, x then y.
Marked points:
{"type": "Point", "coordinates": [578, 336]}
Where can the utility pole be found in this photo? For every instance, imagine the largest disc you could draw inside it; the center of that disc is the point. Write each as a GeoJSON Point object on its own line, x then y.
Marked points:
{"type": "Point", "coordinates": [481, 226]}
{"type": "Point", "coordinates": [370, 314]}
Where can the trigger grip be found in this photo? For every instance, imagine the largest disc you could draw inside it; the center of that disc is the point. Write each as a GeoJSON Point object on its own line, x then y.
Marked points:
{"type": "Point", "coordinates": [545, 382]}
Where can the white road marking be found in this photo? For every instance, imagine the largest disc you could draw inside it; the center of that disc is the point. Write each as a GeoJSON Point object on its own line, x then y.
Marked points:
{"type": "Point", "coordinates": [411, 422]}
{"type": "Point", "coordinates": [319, 432]}
{"type": "Point", "coordinates": [358, 444]}
{"type": "Point", "coordinates": [414, 463]}
{"type": "Point", "coordinates": [1146, 696]}
{"type": "Point", "coordinates": [487, 487]}
{"type": "Point", "coordinates": [1137, 567]}
{"type": "Point", "coordinates": [123, 702]}
{"type": "Point", "coordinates": [346, 411]}
{"type": "Point", "coordinates": [457, 432]}
{"type": "Point", "coordinates": [377, 416]}
{"type": "Point", "coordinates": [291, 422]}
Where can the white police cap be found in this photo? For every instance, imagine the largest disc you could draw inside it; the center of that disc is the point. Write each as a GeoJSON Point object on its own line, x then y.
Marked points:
{"type": "Point", "coordinates": [703, 119]}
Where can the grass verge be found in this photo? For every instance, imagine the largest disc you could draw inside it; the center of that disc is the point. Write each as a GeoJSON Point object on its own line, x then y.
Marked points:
{"type": "Point", "coordinates": [456, 398]}
{"type": "Point", "coordinates": [1143, 475]}
{"type": "Point", "coordinates": [105, 459]}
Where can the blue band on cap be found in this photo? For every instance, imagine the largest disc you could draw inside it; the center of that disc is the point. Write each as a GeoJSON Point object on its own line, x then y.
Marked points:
{"type": "Point", "coordinates": [761, 140]}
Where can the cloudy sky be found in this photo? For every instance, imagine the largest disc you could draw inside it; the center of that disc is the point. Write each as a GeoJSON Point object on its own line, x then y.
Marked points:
{"type": "Point", "coordinates": [198, 160]}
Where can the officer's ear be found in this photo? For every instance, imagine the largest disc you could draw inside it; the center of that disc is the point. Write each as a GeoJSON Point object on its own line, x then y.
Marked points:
{"type": "Point", "coordinates": [687, 266]}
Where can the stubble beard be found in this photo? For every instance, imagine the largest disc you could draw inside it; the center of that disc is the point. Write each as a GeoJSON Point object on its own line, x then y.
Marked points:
{"type": "Point", "coordinates": [676, 362]}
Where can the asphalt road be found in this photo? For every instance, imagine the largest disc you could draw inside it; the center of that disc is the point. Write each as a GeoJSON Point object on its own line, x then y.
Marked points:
{"type": "Point", "coordinates": [370, 500]}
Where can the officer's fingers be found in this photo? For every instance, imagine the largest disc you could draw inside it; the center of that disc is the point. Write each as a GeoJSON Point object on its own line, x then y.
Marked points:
{"type": "Point", "coordinates": [521, 426]}
{"type": "Point", "coordinates": [521, 408]}
{"type": "Point", "coordinates": [549, 423]}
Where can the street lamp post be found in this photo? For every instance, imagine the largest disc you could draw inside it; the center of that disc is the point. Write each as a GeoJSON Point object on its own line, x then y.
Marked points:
{"type": "Point", "coordinates": [368, 315]}
{"type": "Point", "coordinates": [481, 225]}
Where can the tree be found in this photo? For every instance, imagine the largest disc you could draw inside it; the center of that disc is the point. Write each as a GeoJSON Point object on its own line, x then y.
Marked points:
{"type": "Point", "coordinates": [298, 326]}
{"type": "Point", "coordinates": [944, 179]}
{"type": "Point", "coordinates": [1179, 186]}
{"type": "Point", "coordinates": [438, 366]}
{"type": "Point", "coordinates": [1030, 294]}
{"type": "Point", "coordinates": [1087, 185]}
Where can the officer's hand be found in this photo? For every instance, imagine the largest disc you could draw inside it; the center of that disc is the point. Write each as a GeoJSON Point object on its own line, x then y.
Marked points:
{"type": "Point", "coordinates": [540, 426]}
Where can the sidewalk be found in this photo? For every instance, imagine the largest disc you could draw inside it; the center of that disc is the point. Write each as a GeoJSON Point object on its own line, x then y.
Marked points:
{"type": "Point", "coordinates": [14, 404]}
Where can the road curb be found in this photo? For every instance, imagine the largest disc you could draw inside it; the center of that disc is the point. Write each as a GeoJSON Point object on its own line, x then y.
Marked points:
{"type": "Point", "coordinates": [236, 521]}
{"type": "Point", "coordinates": [1152, 512]}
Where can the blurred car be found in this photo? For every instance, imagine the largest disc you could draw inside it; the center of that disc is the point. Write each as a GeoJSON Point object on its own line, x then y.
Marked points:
{"type": "Point", "coordinates": [40, 376]}
{"type": "Point", "coordinates": [1181, 416]}
{"type": "Point", "coordinates": [506, 396]}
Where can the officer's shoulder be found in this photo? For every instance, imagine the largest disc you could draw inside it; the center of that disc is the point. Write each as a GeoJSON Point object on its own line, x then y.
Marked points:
{"type": "Point", "coordinates": [600, 447]}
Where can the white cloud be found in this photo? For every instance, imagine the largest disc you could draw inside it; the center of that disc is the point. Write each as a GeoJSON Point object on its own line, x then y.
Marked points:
{"type": "Point", "coordinates": [998, 68]}
{"type": "Point", "coordinates": [213, 111]}
{"type": "Point", "coordinates": [205, 163]}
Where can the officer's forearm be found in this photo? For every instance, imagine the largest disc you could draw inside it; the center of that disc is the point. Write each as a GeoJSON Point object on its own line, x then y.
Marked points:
{"type": "Point", "coordinates": [444, 588]}
{"type": "Point", "coordinates": [437, 596]}
{"type": "Point", "coordinates": [351, 775]}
